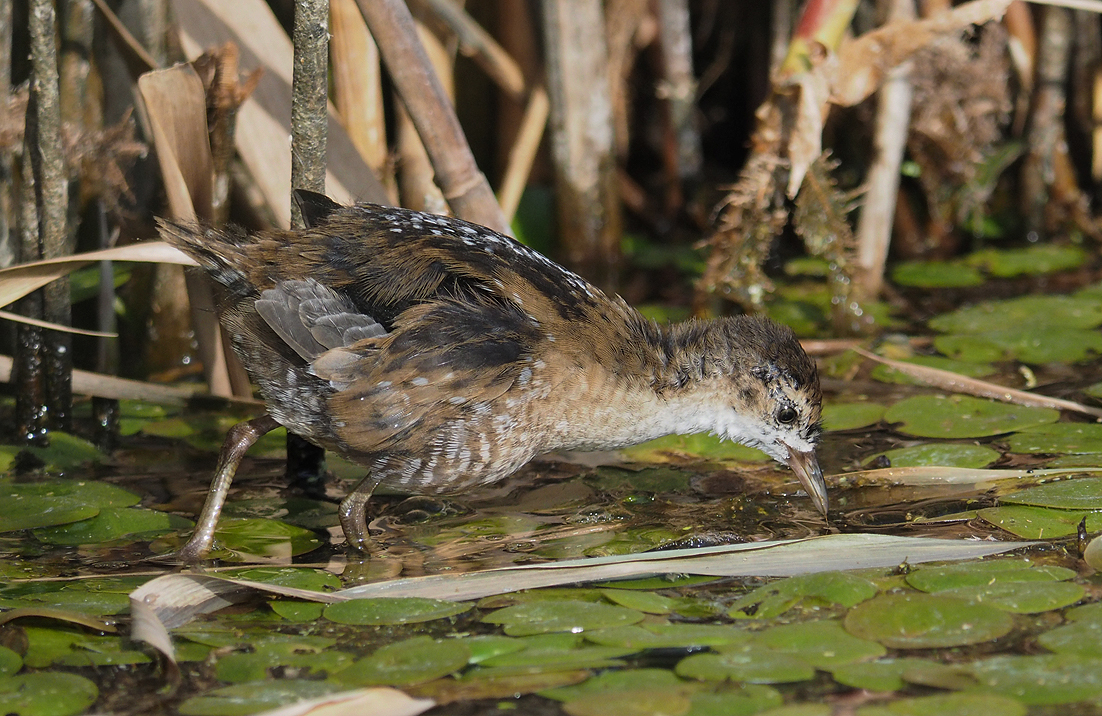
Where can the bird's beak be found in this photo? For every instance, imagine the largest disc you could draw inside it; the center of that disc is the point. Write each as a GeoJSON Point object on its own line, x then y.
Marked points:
{"type": "Point", "coordinates": [806, 467]}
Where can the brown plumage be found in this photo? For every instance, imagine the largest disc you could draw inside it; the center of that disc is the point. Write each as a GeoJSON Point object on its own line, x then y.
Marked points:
{"type": "Point", "coordinates": [442, 356]}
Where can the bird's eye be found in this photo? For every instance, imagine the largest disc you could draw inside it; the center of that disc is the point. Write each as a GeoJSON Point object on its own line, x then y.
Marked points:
{"type": "Point", "coordinates": [786, 415]}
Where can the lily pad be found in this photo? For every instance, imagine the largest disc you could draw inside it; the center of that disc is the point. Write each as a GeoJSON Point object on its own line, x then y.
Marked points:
{"type": "Point", "coordinates": [962, 416]}
{"type": "Point", "coordinates": [1021, 597]}
{"type": "Point", "coordinates": [944, 454]}
{"type": "Point", "coordinates": [1050, 311]}
{"type": "Point", "coordinates": [46, 693]}
{"type": "Point", "coordinates": [647, 602]}
{"type": "Point", "coordinates": [1041, 680]}
{"type": "Point", "coordinates": [842, 588]}
{"type": "Point", "coordinates": [57, 502]}
{"type": "Point", "coordinates": [311, 655]}
{"type": "Point", "coordinates": [936, 274]}
{"type": "Point", "coordinates": [926, 621]}
{"type": "Point", "coordinates": [735, 700]}
{"type": "Point", "coordinates": [296, 577]}
{"type": "Point", "coordinates": [1083, 639]}
{"type": "Point", "coordinates": [245, 539]}
{"type": "Point", "coordinates": [561, 616]}
{"type": "Point", "coordinates": [823, 643]}
{"type": "Point", "coordinates": [10, 662]}
{"type": "Point", "coordinates": [114, 523]}
{"type": "Point", "coordinates": [883, 674]}
{"type": "Point", "coordinates": [1060, 438]}
{"type": "Point", "coordinates": [413, 661]}
{"type": "Point", "coordinates": [1031, 522]}
{"type": "Point", "coordinates": [960, 704]}
{"type": "Point", "coordinates": [848, 416]}
{"type": "Point", "coordinates": [754, 666]}
{"type": "Point", "coordinates": [1032, 260]}
{"type": "Point", "coordinates": [1079, 494]}
{"type": "Point", "coordinates": [557, 652]}
{"type": "Point", "coordinates": [392, 610]}
{"type": "Point", "coordinates": [669, 636]}
{"type": "Point", "coordinates": [65, 452]}
{"type": "Point", "coordinates": [617, 683]}
{"type": "Point", "coordinates": [244, 699]}
{"type": "Point", "coordinates": [1027, 343]}
{"type": "Point", "coordinates": [984, 573]}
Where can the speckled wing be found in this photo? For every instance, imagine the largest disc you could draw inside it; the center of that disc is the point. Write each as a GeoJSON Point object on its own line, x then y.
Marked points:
{"type": "Point", "coordinates": [445, 361]}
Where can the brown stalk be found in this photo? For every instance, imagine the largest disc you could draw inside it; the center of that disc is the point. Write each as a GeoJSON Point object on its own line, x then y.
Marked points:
{"type": "Point", "coordinates": [357, 83]}
{"type": "Point", "coordinates": [464, 186]}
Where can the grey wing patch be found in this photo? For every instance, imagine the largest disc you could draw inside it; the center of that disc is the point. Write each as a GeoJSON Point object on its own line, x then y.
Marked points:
{"type": "Point", "coordinates": [312, 318]}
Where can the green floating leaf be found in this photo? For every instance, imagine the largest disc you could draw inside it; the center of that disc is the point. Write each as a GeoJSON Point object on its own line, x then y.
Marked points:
{"type": "Point", "coordinates": [1021, 598]}
{"type": "Point", "coordinates": [926, 621]}
{"type": "Point", "coordinates": [962, 416]}
{"type": "Point", "coordinates": [296, 611]}
{"type": "Point", "coordinates": [65, 452]}
{"type": "Point", "coordinates": [976, 573]}
{"type": "Point", "coordinates": [1034, 260]}
{"type": "Point", "coordinates": [646, 602]}
{"type": "Point", "coordinates": [413, 661]}
{"type": "Point", "coordinates": [616, 683]}
{"type": "Point", "coordinates": [487, 646]}
{"type": "Point", "coordinates": [1049, 311]}
{"type": "Point", "coordinates": [1077, 438]}
{"type": "Point", "coordinates": [840, 588]}
{"type": "Point", "coordinates": [1027, 343]}
{"type": "Point", "coordinates": [73, 600]}
{"type": "Point", "coordinates": [823, 644]}
{"type": "Point", "coordinates": [1041, 680]}
{"type": "Point", "coordinates": [10, 662]}
{"type": "Point", "coordinates": [57, 502]}
{"type": "Point", "coordinates": [1040, 522]}
{"type": "Point", "coordinates": [308, 654]}
{"type": "Point", "coordinates": [941, 454]}
{"type": "Point", "coordinates": [315, 580]}
{"type": "Point", "coordinates": [669, 636]}
{"type": "Point", "coordinates": [114, 523]}
{"type": "Point", "coordinates": [46, 693]}
{"type": "Point", "coordinates": [754, 666]}
{"type": "Point", "coordinates": [568, 616]}
{"type": "Point", "coordinates": [1082, 639]}
{"type": "Point", "coordinates": [735, 700]}
{"type": "Point", "coordinates": [244, 699]}
{"type": "Point", "coordinates": [1084, 493]}
{"type": "Point", "coordinates": [392, 610]}
{"type": "Point", "coordinates": [936, 274]}
{"type": "Point", "coordinates": [698, 445]}
{"type": "Point", "coordinates": [966, 704]}
{"type": "Point", "coordinates": [848, 416]}
{"type": "Point", "coordinates": [243, 539]}
{"type": "Point", "coordinates": [892, 674]}
{"type": "Point", "coordinates": [557, 652]}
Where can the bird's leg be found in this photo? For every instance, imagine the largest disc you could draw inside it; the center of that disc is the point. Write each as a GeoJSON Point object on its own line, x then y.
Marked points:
{"type": "Point", "coordinates": [238, 440]}
{"type": "Point", "coordinates": [353, 513]}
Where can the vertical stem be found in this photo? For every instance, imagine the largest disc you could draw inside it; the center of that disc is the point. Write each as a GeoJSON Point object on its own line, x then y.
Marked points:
{"type": "Point", "coordinates": [893, 117]}
{"type": "Point", "coordinates": [680, 83]}
{"type": "Point", "coordinates": [464, 186]}
{"type": "Point", "coordinates": [1046, 129]}
{"type": "Point", "coordinates": [582, 137]}
{"type": "Point", "coordinates": [52, 201]}
{"type": "Point", "coordinates": [309, 87]}
{"type": "Point", "coordinates": [309, 135]}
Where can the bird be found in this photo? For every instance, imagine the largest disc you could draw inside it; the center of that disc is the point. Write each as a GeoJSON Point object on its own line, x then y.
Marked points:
{"type": "Point", "coordinates": [443, 356]}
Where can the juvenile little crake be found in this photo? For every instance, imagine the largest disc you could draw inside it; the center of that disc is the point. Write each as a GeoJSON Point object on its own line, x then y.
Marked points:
{"type": "Point", "coordinates": [442, 356]}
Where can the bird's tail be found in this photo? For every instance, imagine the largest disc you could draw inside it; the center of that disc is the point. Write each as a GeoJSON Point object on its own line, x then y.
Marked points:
{"type": "Point", "coordinates": [225, 264]}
